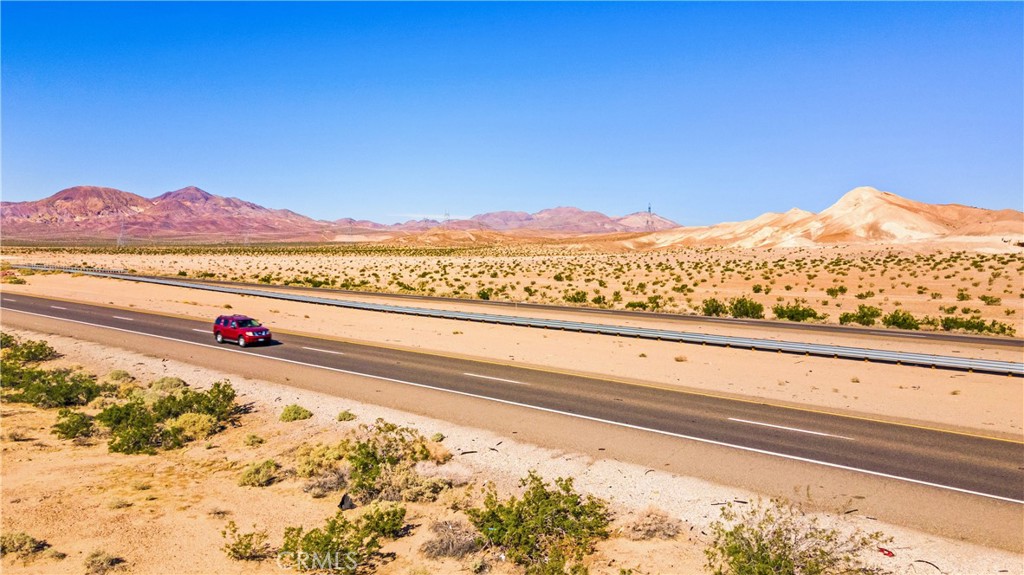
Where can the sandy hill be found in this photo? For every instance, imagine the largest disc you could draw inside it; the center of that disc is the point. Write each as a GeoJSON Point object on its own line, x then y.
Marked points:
{"type": "Point", "coordinates": [862, 215]}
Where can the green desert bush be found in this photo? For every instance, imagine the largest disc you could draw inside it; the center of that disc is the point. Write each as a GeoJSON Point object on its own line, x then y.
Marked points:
{"type": "Point", "coordinates": [346, 416]}
{"type": "Point", "coordinates": [340, 546]}
{"type": "Point", "coordinates": [253, 440]}
{"type": "Point", "coordinates": [120, 376]}
{"type": "Point", "coordinates": [260, 474]}
{"type": "Point", "coordinates": [545, 531]}
{"type": "Point", "coordinates": [778, 537]}
{"type": "Point", "coordinates": [713, 307]}
{"type": "Point", "coordinates": [382, 456]}
{"type": "Point", "coordinates": [901, 319]}
{"type": "Point", "coordinates": [295, 412]}
{"type": "Point", "coordinates": [25, 351]}
{"type": "Point", "coordinates": [745, 307]}
{"type": "Point", "coordinates": [250, 546]}
{"type": "Point", "coordinates": [168, 385]}
{"type": "Point", "coordinates": [384, 519]}
{"type": "Point", "coordinates": [795, 312]}
{"type": "Point", "coordinates": [865, 315]}
{"type": "Point", "coordinates": [73, 424]}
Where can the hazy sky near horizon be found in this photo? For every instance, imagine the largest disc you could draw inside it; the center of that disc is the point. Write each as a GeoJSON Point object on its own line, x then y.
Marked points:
{"type": "Point", "coordinates": [391, 111]}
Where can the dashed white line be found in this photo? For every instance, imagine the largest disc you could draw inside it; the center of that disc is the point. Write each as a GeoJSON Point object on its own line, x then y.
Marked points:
{"type": "Point", "coordinates": [495, 378]}
{"type": "Point", "coordinates": [58, 307]}
{"type": "Point", "coordinates": [323, 350]}
{"type": "Point", "coordinates": [201, 330]}
{"type": "Point", "coordinates": [124, 318]}
{"type": "Point", "coordinates": [797, 429]}
{"type": "Point", "coordinates": [9, 299]}
{"type": "Point", "coordinates": [559, 412]}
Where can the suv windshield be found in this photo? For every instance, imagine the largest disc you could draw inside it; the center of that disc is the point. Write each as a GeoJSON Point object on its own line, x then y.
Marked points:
{"type": "Point", "coordinates": [248, 323]}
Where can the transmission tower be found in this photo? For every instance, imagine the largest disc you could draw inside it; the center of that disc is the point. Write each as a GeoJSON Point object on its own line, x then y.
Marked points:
{"type": "Point", "coordinates": [120, 234]}
{"type": "Point", "coordinates": [650, 218]}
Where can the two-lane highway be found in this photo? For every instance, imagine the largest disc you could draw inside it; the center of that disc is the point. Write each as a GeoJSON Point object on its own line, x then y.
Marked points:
{"type": "Point", "coordinates": [983, 466]}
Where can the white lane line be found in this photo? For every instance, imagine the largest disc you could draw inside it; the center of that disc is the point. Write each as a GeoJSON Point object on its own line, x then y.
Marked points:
{"type": "Point", "coordinates": [9, 299]}
{"type": "Point", "coordinates": [797, 429]}
{"type": "Point", "coordinates": [323, 350]}
{"type": "Point", "coordinates": [555, 411]}
{"type": "Point", "coordinates": [201, 330]}
{"type": "Point", "coordinates": [124, 318]}
{"type": "Point", "coordinates": [495, 378]}
{"type": "Point", "coordinates": [58, 307]}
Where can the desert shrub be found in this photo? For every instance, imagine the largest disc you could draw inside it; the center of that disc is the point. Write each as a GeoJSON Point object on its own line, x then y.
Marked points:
{"type": "Point", "coordinates": [836, 291]}
{"type": "Point", "coordinates": [794, 312]}
{"type": "Point", "coordinates": [451, 539]}
{"type": "Point", "coordinates": [218, 402]}
{"type": "Point", "coordinates": [381, 460]}
{"type": "Point", "coordinates": [295, 412]}
{"type": "Point", "coordinates": [636, 305]}
{"type": "Point", "coordinates": [260, 474]}
{"type": "Point", "coordinates": [120, 375]}
{"type": "Point", "coordinates": [99, 562]}
{"type": "Point", "coordinates": [49, 388]}
{"type": "Point", "coordinates": [578, 296]}
{"type": "Point", "coordinates": [401, 482]}
{"type": "Point", "coordinates": [168, 385]}
{"type": "Point", "coordinates": [713, 307]}
{"type": "Point", "coordinates": [73, 424]}
{"type": "Point", "coordinates": [25, 351]}
{"type": "Point", "coordinates": [651, 524]}
{"type": "Point", "coordinates": [134, 429]}
{"type": "Point", "coordinates": [384, 519]}
{"type": "Point", "coordinates": [779, 538]}
{"type": "Point", "coordinates": [962, 295]}
{"type": "Point", "coordinates": [990, 300]}
{"type": "Point", "coordinates": [340, 546]}
{"type": "Point", "coordinates": [865, 295]}
{"type": "Point", "coordinates": [194, 426]}
{"type": "Point", "coordinates": [253, 440]}
{"type": "Point", "coordinates": [250, 546]}
{"type": "Point", "coordinates": [901, 319]}
{"type": "Point", "coordinates": [745, 307]}
{"type": "Point", "coordinates": [312, 460]}
{"type": "Point", "coordinates": [20, 545]}
{"type": "Point", "coordinates": [346, 416]}
{"type": "Point", "coordinates": [546, 529]}
{"type": "Point", "coordinates": [976, 324]}
{"type": "Point", "coordinates": [865, 315]}
{"type": "Point", "coordinates": [327, 482]}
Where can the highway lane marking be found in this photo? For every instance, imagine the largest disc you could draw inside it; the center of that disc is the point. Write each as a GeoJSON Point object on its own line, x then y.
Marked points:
{"type": "Point", "coordinates": [323, 350]}
{"type": "Point", "coordinates": [557, 412]}
{"type": "Point", "coordinates": [124, 318]}
{"type": "Point", "coordinates": [9, 299]}
{"type": "Point", "coordinates": [58, 307]}
{"type": "Point", "coordinates": [797, 429]}
{"type": "Point", "coordinates": [540, 369]}
{"type": "Point", "coordinates": [495, 378]}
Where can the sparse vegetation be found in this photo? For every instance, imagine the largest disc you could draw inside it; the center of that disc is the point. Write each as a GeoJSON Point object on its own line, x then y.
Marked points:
{"type": "Point", "coordinates": [777, 537]}
{"type": "Point", "coordinates": [260, 474]}
{"type": "Point", "coordinates": [451, 539]}
{"type": "Point", "coordinates": [652, 524]}
{"type": "Point", "coordinates": [546, 531]}
{"type": "Point", "coordinates": [295, 413]}
{"type": "Point", "coordinates": [21, 545]}
{"type": "Point", "coordinates": [251, 546]}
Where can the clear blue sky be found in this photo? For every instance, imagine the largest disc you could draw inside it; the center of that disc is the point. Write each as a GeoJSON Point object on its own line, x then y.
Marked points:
{"type": "Point", "coordinates": [384, 111]}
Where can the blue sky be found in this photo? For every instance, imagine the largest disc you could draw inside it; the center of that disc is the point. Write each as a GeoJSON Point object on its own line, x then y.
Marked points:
{"type": "Point", "coordinates": [386, 111]}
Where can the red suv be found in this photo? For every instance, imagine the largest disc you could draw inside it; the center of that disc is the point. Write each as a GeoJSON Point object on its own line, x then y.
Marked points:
{"type": "Point", "coordinates": [240, 328]}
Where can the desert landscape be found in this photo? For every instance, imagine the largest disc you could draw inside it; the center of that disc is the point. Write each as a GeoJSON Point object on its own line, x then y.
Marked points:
{"type": "Point", "coordinates": [556, 288]}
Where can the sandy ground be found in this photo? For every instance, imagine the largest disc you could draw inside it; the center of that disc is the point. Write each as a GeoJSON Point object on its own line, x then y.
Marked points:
{"type": "Point", "coordinates": [82, 498]}
{"type": "Point", "coordinates": [991, 404]}
{"type": "Point", "coordinates": [923, 280]}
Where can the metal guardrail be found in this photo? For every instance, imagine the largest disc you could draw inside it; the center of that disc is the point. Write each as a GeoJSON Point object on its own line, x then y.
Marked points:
{"type": "Point", "coordinates": [799, 348]}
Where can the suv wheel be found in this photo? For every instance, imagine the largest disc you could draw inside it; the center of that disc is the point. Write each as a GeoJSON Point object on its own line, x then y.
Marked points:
{"type": "Point", "coordinates": [219, 336]}
{"type": "Point", "coordinates": [241, 341]}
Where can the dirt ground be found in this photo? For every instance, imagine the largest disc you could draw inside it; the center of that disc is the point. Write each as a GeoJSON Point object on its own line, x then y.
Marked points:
{"type": "Point", "coordinates": [164, 513]}
{"type": "Point", "coordinates": [952, 400]}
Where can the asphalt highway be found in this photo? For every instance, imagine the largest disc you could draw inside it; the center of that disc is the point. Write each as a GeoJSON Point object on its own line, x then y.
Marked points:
{"type": "Point", "coordinates": [972, 464]}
